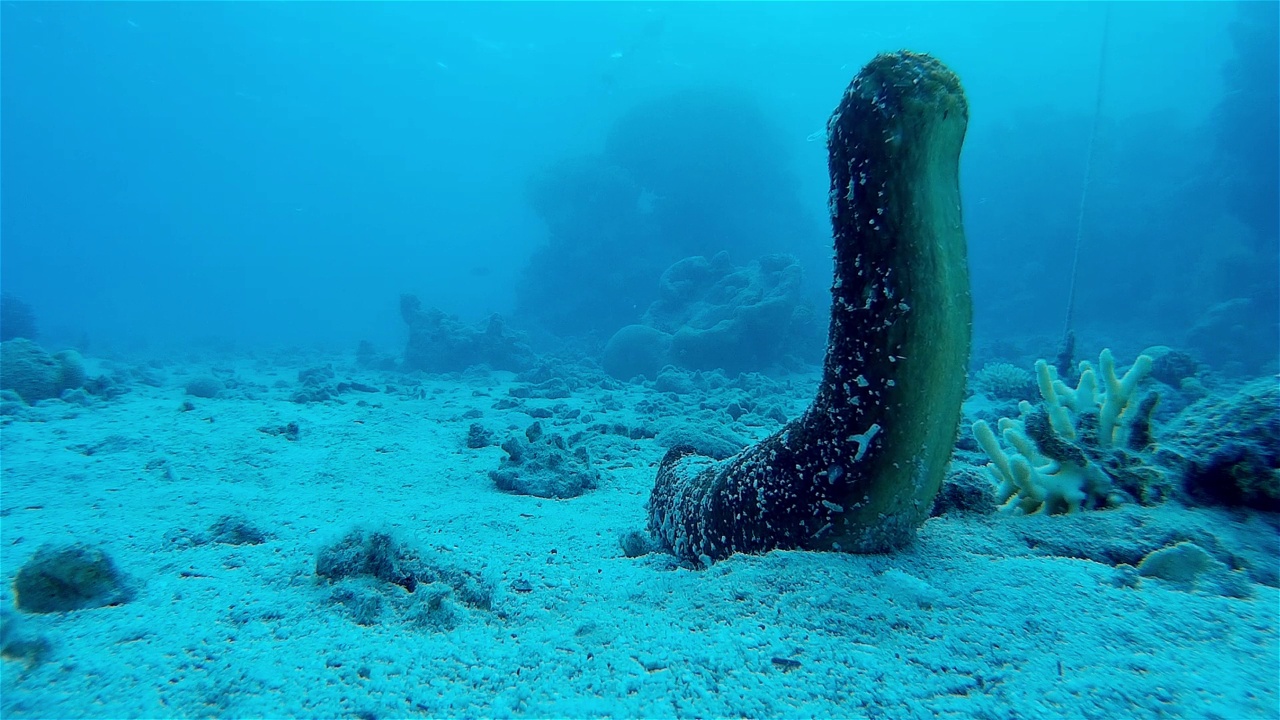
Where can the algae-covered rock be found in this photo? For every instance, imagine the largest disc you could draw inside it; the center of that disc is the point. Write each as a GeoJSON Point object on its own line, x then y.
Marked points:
{"type": "Point", "coordinates": [636, 350]}
{"type": "Point", "coordinates": [1170, 366]}
{"type": "Point", "coordinates": [1226, 448]}
{"type": "Point", "coordinates": [61, 578]}
{"type": "Point", "coordinates": [714, 442]}
{"type": "Point", "coordinates": [373, 572]}
{"type": "Point", "coordinates": [544, 465]}
{"type": "Point", "coordinates": [205, 386]}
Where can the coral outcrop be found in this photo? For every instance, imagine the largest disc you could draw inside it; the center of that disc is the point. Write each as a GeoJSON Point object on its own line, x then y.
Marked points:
{"type": "Point", "coordinates": [543, 464]}
{"type": "Point", "coordinates": [440, 343]}
{"type": "Point", "coordinates": [34, 374]}
{"type": "Point", "coordinates": [1076, 449]}
{"type": "Point", "coordinates": [372, 575]}
{"type": "Point", "coordinates": [687, 174]}
{"type": "Point", "coordinates": [712, 315]}
{"type": "Point", "coordinates": [1227, 449]}
{"type": "Point", "coordinates": [636, 350]}
{"type": "Point", "coordinates": [1004, 381]}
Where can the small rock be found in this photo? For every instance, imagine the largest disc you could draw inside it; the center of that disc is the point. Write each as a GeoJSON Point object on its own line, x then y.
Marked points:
{"type": "Point", "coordinates": [478, 437]}
{"type": "Point", "coordinates": [69, 577]}
{"type": "Point", "coordinates": [635, 544]}
{"type": "Point", "coordinates": [205, 387]}
{"type": "Point", "coordinates": [231, 530]}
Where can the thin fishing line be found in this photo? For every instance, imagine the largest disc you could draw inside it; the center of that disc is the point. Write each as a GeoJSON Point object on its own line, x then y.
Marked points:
{"type": "Point", "coordinates": [1088, 165]}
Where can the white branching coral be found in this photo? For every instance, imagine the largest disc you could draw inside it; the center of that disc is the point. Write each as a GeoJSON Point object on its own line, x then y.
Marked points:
{"type": "Point", "coordinates": [1058, 448]}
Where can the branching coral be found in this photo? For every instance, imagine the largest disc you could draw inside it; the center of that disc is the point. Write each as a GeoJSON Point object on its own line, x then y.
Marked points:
{"type": "Point", "coordinates": [1003, 381]}
{"type": "Point", "coordinates": [1063, 448]}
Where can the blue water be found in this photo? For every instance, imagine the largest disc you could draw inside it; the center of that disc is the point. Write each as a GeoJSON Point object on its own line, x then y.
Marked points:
{"type": "Point", "coordinates": [217, 207]}
{"type": "Point", "coordinates": [266, 173]}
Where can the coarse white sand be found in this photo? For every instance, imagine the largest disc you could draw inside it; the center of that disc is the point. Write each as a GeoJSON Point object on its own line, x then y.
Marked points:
{"type": "Point", "coordinates": [982, 617]}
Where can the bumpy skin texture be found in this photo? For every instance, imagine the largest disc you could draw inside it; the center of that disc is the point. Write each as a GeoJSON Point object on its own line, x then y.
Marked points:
{"type": "Point", "coordinates": [859, 470]}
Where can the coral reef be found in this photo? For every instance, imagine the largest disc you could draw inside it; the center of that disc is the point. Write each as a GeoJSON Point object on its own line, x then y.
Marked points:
{"type": "Point", "coordinates": [376, 554]}
{"type": "Point", "coordinates": [226, 530]}
{"type": "Point", "coordinates": [1226, 448]}
{"type": "Point", "coordinates": [1004, 381]}
{"type": "Point", "coordinates": [712, 315]}
{"type": "Point", "coordinates": [35, 375]}
{"type": "Point", "coordinates": [714, 442]}
{"type": "Point", "coordinates": [543, 465]}
{"type": "Point", "coordinates": [690, 173]}
{"type": "Point", "coordinates": [600, 256]}
{"type": "Point", "coordinates": [636, 350]}
{"type": "Point", "coordinates": [439, 343]}
{"type": "Point", "coordinates": [319, 384]}
{"type": "Point", "coordinates": [859, 470]}
{"type": "Point", "coordinates": [1077, 449]}
{"type": "Point", "coordinates": [1171, 367]}
{"type": "Point", "coordinates": [736, 319]}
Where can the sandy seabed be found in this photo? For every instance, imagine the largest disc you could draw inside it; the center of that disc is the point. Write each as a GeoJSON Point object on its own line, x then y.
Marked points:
{"type": "Point", "coordinates": [986, 616]}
